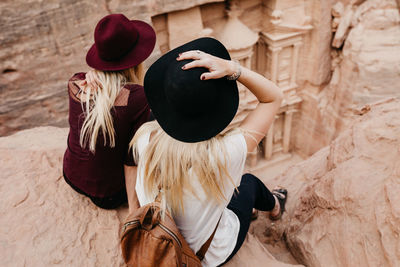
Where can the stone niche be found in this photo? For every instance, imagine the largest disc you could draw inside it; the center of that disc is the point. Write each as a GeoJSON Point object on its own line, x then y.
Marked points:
{"type": "Point", "coordinates": [262, 36]}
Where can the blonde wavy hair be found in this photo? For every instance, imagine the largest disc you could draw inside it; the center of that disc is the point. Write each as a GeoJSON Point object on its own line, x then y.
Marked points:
{"type": "Point", "coordinates": [100, 101]}
{"type": "Point", "coordinates": [168, 163]}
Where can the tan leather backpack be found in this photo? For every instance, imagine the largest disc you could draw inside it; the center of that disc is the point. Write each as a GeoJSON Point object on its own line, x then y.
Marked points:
{"type": "Point", "coordinates": [148, 241]}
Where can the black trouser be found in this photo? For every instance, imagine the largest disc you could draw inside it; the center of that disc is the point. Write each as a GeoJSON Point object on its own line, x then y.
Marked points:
{"type": "Point", "coordinates": [252, 194]}
{"type": "Point", "coordinates": [108, 203]}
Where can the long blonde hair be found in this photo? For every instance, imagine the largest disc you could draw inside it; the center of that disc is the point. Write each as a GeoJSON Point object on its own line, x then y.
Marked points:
{"type": "Point", "coordinates": [100, 101]}
{"type": "Point", "coordinates": [168, 163]}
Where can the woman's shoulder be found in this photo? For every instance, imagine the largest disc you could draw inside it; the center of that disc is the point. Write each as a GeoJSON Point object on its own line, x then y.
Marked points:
{"type": "Point", "coordinates": [136, 92]}
{"type": "Point", "coordinates": [235, 144]}
{"type": "Point", "coordinates": [137, 97]}
{"type": "Point", "coordinates": [79, 76]}
{"type": "Point", "coordinates": [142, 142]}
{"type": "Point", "coordinates": [73, 87]}
{"type": "Point", "coordinates": [134, 87]}
{"type": "Point", "coordinates": [235, 136]}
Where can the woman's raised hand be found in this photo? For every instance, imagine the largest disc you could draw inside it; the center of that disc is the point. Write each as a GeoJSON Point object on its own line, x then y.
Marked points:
{"type": "Point", "coordinates": [217, 67]}
{"type": "Point", "coordinates": [268, 94]}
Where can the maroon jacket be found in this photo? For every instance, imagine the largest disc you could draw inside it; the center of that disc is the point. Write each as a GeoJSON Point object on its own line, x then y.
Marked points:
{"type": "Point", "coordinates": [102, 174]}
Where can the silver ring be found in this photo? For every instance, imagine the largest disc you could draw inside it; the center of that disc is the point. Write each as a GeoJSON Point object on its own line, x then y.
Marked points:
{"type": "Point", "coordinates": [198, 52]}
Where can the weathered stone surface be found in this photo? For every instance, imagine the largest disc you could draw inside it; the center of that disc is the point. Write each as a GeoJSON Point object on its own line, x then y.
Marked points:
{"type": "Point", "coordinates": [144, 9]}
{"type": "Point", "coordinates": [365, 69]}
{"type": "Point", "coordinates": [343, 27]}
{"type": "Point", "coordinates": [370, 69]}
{"type": "Point", "coordinates": [314, 73]}
{"type": "Point", "coordinates": [315, 57]}
{"type": "Point", "coordinates": [181, 30]}
{"type": "Point", "coordinates": [42, 44]}
{"type": "Point", "coordinates": [343, 201]}
{"type": "Point", "coordinates": [253, 253]}
{"type": "Point", "coordinates": [43, 222]}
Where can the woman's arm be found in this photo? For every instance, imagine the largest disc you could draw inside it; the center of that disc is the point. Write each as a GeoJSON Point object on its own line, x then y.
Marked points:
{"type": "Point", "coordinates": [258, 121]}
{"type": "Point", "coordinates": [130, 183]}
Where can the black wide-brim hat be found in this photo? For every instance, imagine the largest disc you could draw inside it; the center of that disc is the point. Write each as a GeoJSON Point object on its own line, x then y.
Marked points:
{"type": "Point", "coordinates": [187, 108]}
{"type": "Point", "coordinates": [120, 43]}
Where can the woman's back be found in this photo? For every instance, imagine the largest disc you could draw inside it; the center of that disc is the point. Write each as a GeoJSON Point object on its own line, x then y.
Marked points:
{"type": "Point", "coordinates": [100, 173]}
{"type": "Point", "coordinates": [201, 213]}
{"type": "Point", "coordinates": [105, 111]}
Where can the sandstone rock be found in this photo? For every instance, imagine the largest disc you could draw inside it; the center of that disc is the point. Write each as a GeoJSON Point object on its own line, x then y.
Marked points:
{"type": "Point", "coordinates": [343, 201]}
{"type": "Point", "coordinates": [368, 68]}
{"type": "Point", "coordinates": [338, 9]}
{"type": "Point", "coordinates": [343, 27]}
{"type": "Point", "coordinates": [42, 44]}
{"type": "Point", "coordinates": [371, 54]}
{"type": "Point", "coordinates": [364, 69]}
{"type": "Point", "coordinates": [253, 253]}
{"type": "Point", "coordinates": [314, 72]}
{"type": "Point", "coordinates": [181, 30]}
{"type": "Point", "coordinates": [43, 222]}
{"type": "Point", "coordinates": [315, 65]}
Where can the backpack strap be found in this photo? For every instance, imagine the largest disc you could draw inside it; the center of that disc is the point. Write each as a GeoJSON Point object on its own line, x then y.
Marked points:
{"type": "Point", "coordinates": [202, 251]}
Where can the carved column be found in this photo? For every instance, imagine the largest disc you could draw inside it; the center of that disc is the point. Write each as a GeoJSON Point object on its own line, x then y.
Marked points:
{"type": "Point", "coordinates": [269, 142]}
{"type": "Point", "coordinates": [240, 41]}
{"type": "Point", "coordinates": [274, 62]}
{"type": "Point", "coordinates": [282, 60]}
{"type": "Point", "coordinates": [295, 58]}
{"type": "Point", "coordinates": [287, 130]}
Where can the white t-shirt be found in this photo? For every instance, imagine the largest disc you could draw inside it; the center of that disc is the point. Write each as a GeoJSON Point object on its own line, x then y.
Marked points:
{"type": "Point", "coordinates": [201, 215]}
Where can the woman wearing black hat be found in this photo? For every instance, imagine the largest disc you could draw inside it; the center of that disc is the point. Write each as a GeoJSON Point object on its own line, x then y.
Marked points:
{"type": "Point", "coordinates": [185, 156]}
{"type": "Point", "coordinates": [106, 107]}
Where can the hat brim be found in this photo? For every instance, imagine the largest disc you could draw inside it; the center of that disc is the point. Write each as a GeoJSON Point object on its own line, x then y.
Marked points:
{"type": "Point", "coordinates": [142, 50]}
{"type": "Point", "coordinates": [184, 127]}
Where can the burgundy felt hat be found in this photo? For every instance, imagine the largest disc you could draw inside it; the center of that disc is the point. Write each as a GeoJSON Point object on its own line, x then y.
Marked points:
{"type": "Point", "coordinates": [120, 43]}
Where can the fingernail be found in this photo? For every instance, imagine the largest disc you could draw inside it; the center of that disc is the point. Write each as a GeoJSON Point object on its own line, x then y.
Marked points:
{"type": "Point", "coordinates": [179, 54]}
{"type": "Point", "coordinates": [202, 78]}
{"type": "Point", "coordinates": [177, 58]}
{"type": "Point", "coordinates": [183, 67]}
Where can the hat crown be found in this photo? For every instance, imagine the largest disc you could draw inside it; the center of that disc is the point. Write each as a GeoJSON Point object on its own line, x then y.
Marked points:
{"type": "Point", "coordinates": [187, 108]}
{"type": "Point", "coordinates": [114, 37]}
{"type": "Point", "coordinates": [186, 92]}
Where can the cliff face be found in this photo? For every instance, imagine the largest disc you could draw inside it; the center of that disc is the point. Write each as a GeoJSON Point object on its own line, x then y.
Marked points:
{"type": "Point", "coordinates": [361, 64]}
{"type": "Point", "coordinates": [343, 207]}
{"type": "Point", "coordinates": [365, 61]}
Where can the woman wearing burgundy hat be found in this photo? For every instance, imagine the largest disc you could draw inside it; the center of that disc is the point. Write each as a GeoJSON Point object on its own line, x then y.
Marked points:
{"type": "Point", "coordinates": [106, 107]}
